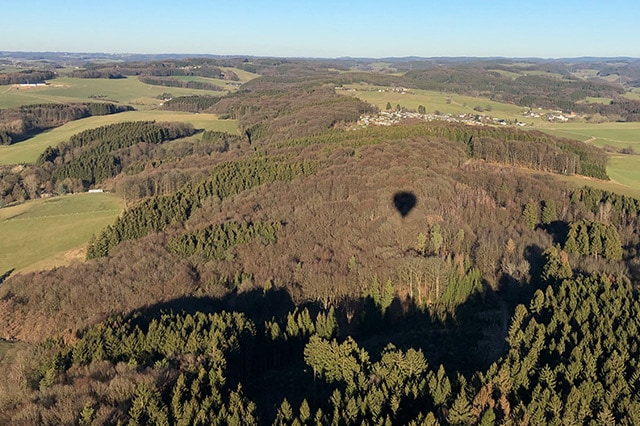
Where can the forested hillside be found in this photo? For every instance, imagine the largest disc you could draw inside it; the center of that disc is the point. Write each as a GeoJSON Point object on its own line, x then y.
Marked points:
{"type": "Point", "coordinates": [308, 272]}
{"type": "Point", "coordinates": [88, 158]}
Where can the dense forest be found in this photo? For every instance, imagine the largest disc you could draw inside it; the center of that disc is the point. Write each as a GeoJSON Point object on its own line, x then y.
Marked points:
{"type": "Point", "coordinates": [305, 271]}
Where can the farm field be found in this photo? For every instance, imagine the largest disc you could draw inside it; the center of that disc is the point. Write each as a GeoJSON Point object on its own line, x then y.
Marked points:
{"type": "Point", "coordinates": [244, 76]}
{"type": "Point", "coordinates": [618, 135]}
{"type": "Point", "coordinates": [624, 170]}
{"type": "Point", "coordinates": [128, 90]}
{"type": "Point", "coordinates": [29, 150]}
{"type": "Point", "coordinates": [49, 232]}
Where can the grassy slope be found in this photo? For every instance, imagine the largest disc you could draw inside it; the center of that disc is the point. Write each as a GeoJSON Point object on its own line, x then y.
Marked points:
{"type": "Point", "coordinates": [618, 135]}
{"type": "Point", "coordinates": [128, 90]}
{"type": "Point", "coordinates": [624, 170]}
{"type": "Point", "coordinates": [51, 232]}
{"type": "Point", "coordinates": [29, 150]}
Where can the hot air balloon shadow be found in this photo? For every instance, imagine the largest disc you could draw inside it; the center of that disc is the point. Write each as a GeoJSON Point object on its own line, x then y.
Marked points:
{"type": "Point", "coordinates": [404, 202]}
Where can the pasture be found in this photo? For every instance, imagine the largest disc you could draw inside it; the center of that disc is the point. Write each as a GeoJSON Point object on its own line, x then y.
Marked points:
{"type": "Point", "coordinates": [49, 232]}
{"type": "Point", "coordinates": [128, 90]}
{"type": "Point", "coordinates": [29, 150]}
{"type": "Point", "coordinates": [623, 169]}
{"type": "Point", "coordinates": [617, 135]}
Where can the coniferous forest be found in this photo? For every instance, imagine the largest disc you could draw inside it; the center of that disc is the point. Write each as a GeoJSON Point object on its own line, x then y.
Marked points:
{"type": "Point", "coordinates": [309, 271]}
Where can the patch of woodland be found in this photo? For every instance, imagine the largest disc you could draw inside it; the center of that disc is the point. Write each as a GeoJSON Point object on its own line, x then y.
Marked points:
{"type": "Point", "coordinates": [86, 159]}
{"type": "Point", "coordinates": [20, 123]}
{"type": "Point", "coordinates": [289, 110]}
{"type": "Point", "coordinates": [26, 77]}
{"type": "Point", "coordinates": [537, 91]}
{"type": "Point", "coordinates": [214, 364]}
{"type": "Point", "coordinates": [193, 103]}
{"type": "Point", "coordinates": [172, 82]}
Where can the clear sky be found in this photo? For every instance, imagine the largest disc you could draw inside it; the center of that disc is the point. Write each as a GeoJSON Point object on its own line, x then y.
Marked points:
{"type": "Point", "coordinates": [329, 28]}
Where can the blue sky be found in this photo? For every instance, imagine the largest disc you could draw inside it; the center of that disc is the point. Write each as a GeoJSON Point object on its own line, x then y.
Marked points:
{"type": "Point", "coordinates": [540, 28]}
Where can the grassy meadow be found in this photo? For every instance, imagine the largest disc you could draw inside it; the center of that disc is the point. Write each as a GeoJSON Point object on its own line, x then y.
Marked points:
{"type": "Point", "coordinates": [617, 135]}
{"type": "Point", "coordinates": [29, 150]}
{"type": "Point", "coordinates": [623, 169]}
{"type": "Point", "coordinates": [48, 232]}
{"type": "Point", "coordinates": [128, 90]}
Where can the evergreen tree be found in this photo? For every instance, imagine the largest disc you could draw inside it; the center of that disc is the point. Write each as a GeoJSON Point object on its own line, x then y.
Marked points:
{"type": "Point", "coordinates": [571, 244]}
{"type": "Point", "coordinates": [549, 213]}
{"type": "Point", "coordinates": [530, 215]}
{"type": "Point", "coordinates": [583, 239]}
{"type": "Point", "coordinates": [595, 239]}
{"type": "Point", "coordinates": [612, 247]}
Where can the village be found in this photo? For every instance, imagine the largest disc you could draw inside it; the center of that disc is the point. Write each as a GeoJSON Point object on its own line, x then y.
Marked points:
{"type": "Point", "coordinates": [401, 114]}
{"type": "Point", "coordinates": [389, 118]}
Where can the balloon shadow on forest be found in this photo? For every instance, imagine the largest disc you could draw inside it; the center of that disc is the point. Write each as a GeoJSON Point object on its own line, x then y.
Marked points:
{"type": "Point", "coordinates": [404, 202]}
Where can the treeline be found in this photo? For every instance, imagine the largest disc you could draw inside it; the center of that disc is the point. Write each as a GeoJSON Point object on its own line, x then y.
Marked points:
{"type": "Point", "coordinates": [198, 67]}
{"type": "Point", "coordinates": [620, 209]}
{"type": "Point", "coordinates": [91, 156]}
{"type": "Point", "coordinates": [542, 155]}
{"type": "Point", "coordinates": [215, 241]}
{"type": "Point", "coordinates": [172, 82]}
{"type": "Point", "coordinates": [193, 103]}
{"type": "Point", "coordinates": [619, 109]}
{"type": "Point", "coordinates": [17, 124]}
{"type": "Point", "coordinates": [526, 90]}
{"type": "Point", "coordinates": [25, 77]}
{"type": "Point", "coordinates": [156, 213]}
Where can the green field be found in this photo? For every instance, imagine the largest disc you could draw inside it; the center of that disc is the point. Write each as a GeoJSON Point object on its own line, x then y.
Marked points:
{"type": "Point", "coordinates": [624, 170]}
{"type": "Point", "coordinates": [618, 135]}
{"type": "Point", "coordinates": [633, 94]}
{"type": "Point", "coordinates": [227, 85]}
{"type": "Point", "coordinates": [50, 232]}
{"type": "Point", "coordinates": [128, 90]}
{"type": "Point", "coordinates": [29, 150]}
{"type": "Point", "coordinates": [243, 75]}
